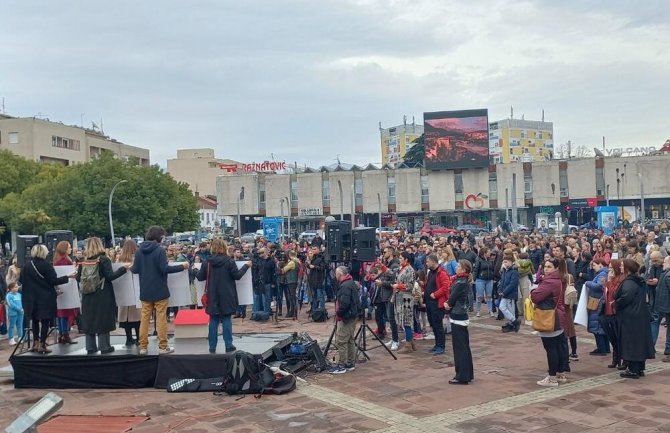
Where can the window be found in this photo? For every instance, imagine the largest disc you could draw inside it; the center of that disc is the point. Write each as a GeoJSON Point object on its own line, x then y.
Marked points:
{"type": "Point", "coordinates": [493, 186]}
{"type": "Point", "coordinates": [261, 195]}
{"type": "Point", "coordinates": [294, 193]}
{"type": "Point", "coordinates": [325, 192]}
{"type": "Point", "coordinates": [458, 186]}
{"type": "Point", "coordinates": [514, 142]}
{"type": "Point", "coordinates": [65, 143]}
{"type": "Point", "coordinates": [391, 189]}
{"type": "Point", "coordinates": [358, 190]}
{"type": "Point", "coordinates": [523, 133]}
{"type": "Point", "coordinates": [13, 138]}
{"type": "Point", "coordinates": [424, 189]}
{"type": "Point", "coordinates": [600, 181]}
{"type": "Point", "coordinates": [528, 185]}
{"type": "Point", "coordinates": [563, 182]}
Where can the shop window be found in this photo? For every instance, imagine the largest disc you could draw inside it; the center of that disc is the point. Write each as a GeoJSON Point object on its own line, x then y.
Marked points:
{"type": "Point", "coordinates": [424, 189]}
{"type": "Point", "coordinates": [391, 189]}
{"type": "Point", "coordinates": [325, 192]}
{"type": "Point", "coordinates": [458, 186]}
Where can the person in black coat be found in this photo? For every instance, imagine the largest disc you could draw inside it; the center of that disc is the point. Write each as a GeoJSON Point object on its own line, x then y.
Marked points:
{"type": "Point", "coordinates": [98, 309]}
{"type": "Point", "coordinates": [634, 319]}
{"type": "Point", "coordinates": [221, 272]}
{"type": "Point", "coordinates": [38, 280]}
{"type": "Point", "coordinates": [458, 316]}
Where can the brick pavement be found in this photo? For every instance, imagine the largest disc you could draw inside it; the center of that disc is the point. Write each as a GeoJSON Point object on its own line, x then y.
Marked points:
{"type": "Point", "coordinates": [408, 395]}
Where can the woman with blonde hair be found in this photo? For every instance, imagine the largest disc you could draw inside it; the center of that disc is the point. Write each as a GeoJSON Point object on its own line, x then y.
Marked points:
{"type": "Point", "coordinates": [64, 316]}
{"type": "Point", "coordinates": [39, 280]}
{"type": "Point", "coordinates": [98, 304]}
{"type": "Point", "coordinates": [449, 262]}
{"type": "Point", "coordinates": [129, 316]}
{"type": "Point", "coordinates": [13, 272]}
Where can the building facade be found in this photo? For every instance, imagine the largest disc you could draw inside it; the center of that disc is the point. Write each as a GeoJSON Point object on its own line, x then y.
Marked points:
{"type": "Point", "coordinates": [198, 168]}
{"type": "Point", "coordinates": [518, 140]}
{"type": "Point", "coordinates": [47, 141]}
{"type": "Point", "coordinates": [397, 140]}
{"type": "Point", "coordinates": [452, 197]}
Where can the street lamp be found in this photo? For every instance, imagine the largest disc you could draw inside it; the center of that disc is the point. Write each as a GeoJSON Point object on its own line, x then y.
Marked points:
{"type": "Point", "coordinates": [240, 197]}
{"type": "Point", "coordinates": [288, 219]}
{"type": "Point", "coordinates": [109, 210]}
{"type": "Point", "coordinates": [379, 201]}
{"type": "Point", "coordinates": [339, 185]}
{"type": "Point", "coordinates": [607, 194]}
{"type": "Point", "coordinates": [642, 212]}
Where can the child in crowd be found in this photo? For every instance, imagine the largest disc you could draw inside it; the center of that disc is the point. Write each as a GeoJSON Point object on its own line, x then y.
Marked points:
{"type": "Point", "coordinates": [15, 307]}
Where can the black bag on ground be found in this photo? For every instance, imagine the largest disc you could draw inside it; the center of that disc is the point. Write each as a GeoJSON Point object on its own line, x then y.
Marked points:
{"type": "Point", "coordinates": [260, 316]}
{"type": "Point", "coordinates": [194, 385]}
{"type": "Point", "coordinates": [246, 374]}
{"type": "Point", "coordinates": [319, 315]}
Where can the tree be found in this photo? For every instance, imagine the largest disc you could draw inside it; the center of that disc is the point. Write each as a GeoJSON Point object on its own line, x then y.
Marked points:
{"type": "Point", "coordinates": [17, 172]}
{"type": "Point", "coordinates": [77, 197]}
{"type": "Point", "coordinates": [414, 156]}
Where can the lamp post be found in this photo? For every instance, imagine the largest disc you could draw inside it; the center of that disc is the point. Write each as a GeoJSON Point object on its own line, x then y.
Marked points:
{"type": "Point", "coordinates": [607, 194]}
{"type": "Point", "coordinates": [240, 197]}
{"type": "Point", "coordinates": [288, 216]}
{"type": "Point", "coordinates": [642, 212]}
{"type": "Point", "coordinates": [281, 232]}
{"type": "Point", "coordinates": [109, 209]}
{"type": "Point", "coordinates": [379, 201]}
{"type": "Point", "coordinates": [353, 207]}
{"type": "Point", "coordinates": [339, 185]}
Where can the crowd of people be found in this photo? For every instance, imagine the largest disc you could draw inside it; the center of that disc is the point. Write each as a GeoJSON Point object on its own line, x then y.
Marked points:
{"type": "Point", "coordinates": [420, 288]}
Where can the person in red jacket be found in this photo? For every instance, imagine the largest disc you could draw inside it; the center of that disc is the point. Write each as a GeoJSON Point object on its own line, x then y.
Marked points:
{"type": "Point", "coordinates": [435, 295]}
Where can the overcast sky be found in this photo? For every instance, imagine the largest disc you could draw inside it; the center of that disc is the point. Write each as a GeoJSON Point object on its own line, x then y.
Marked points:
{"type": "Point", "coordinates": [310, 80]}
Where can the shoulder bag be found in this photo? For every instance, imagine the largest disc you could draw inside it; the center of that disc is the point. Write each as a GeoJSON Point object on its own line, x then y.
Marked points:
{"type": "Point", "coordinates": [204, 300]}
{"type": "Point", "coordinates": [544, 316]}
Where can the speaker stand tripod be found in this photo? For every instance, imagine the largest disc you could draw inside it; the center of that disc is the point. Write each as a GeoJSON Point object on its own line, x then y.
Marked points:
{"type": "Point", "coordinates": [360, 341]}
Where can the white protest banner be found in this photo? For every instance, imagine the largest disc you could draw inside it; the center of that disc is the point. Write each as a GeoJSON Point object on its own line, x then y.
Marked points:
{"type": "Point", "coordinates": [245, 289]}
{"type": "Point", "coordinates": [199, 285]}
{"type": "Point", "coordinates": [124, 288]}
{"type": "Point", "coordinates": [70, 296]}
{"type": "Point", "coordinates": [180, 289]}
{"type": "Point", "coordinates": [582, 316]}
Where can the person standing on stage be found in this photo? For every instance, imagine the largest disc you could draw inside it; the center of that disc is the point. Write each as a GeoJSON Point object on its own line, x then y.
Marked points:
{"type": "Point", "coordinates": [152, 266]}
{"type": "Point", "coordinates": [38, 280]}
{"type": "Point", "coordinates": [458, 316]}
{"type": "Point", "coordinates": [98, 308]}
{"type": "Point", "coordinates": [129, 316]}
{"type": "Point", "coordinates": [220, 271]}
{"type": "Point", "coordinates": [64, 317]}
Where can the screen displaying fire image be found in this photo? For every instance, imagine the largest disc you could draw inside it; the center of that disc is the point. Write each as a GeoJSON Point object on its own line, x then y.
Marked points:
{"type": "Point", "coordinates": [456, 139]}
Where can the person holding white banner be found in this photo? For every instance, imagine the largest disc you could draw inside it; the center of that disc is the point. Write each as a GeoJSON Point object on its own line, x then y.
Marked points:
{"type": "Point", "coordinates": [38, 280]}
{"type": "Point", "coordinates": [129, 315]}
{"type": "Point", "coordinates": [152, 266]}
{"type": "Point", "coordinates": [98, 307]}
{"type": "Point", "coordinates": [221, 271]}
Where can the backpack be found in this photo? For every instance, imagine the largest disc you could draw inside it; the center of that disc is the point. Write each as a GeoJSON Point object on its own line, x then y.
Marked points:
{"type": "Point", "coordinates": [246, 374]}
{"type": "Point", "coordinates": [319, 315]}
{"type": "Point", "coordinates": [90, 280]}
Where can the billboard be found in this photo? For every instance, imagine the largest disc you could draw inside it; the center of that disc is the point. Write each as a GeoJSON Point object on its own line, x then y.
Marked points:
{"type": "Point", "coordinates": [456, 139]}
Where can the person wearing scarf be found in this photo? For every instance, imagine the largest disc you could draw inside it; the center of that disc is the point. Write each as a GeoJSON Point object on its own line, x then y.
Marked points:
{"type": "Point", "coordinates": [458, 316]}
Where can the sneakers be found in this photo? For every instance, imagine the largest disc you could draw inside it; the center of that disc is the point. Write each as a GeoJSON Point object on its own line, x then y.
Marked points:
{"type": "Point", "coordinates": [479, 314]}
{"type": "Point", "coordinates": [165, 351]}
{"type": "Point", "coordinates": [438, 351]}
{"type": "Point", "coordinates": [144, 351]}
{"type": "Point", "coordinates": [338, 369]}
{"type": "Point", "coordinates": [561, 378]}
{"type": "Point", "coordinates": [394, 345]}
{"type": "Point", "coordinates": [349, 367]}
{"type": "Point", "coordinates": [417, 336]}
{"type": "Point", "coordinates": [574, 357]}
{"type": "Point", "coordinates": [548, 381]}
{"type": "Point", "coordinates": [230, 349]}
{"type": "Point", "coordinates": [492, 314]}
{"type": "Point", "coordinates": [429, 336]}
{"type": "Point", "coordinates": [12, 342]}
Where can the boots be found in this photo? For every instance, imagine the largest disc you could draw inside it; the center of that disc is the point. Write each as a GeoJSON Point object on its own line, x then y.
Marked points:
{"type": "Point", "coordinates": [67, 339]}
{"type": "Point", "coordinates": [61, 338]}
{"type": "Point", "coordinates": [409, 347]}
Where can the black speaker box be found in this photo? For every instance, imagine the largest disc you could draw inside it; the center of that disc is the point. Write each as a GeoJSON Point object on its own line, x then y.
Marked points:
{"type": "Point", "coordinates": [24, 243]}
{"type": "Point", "coordinates": [338, 241]}
{"type": "Point", "coordinates": [363, 243]}
{"type": "Point", "coordinates": [53, 237]}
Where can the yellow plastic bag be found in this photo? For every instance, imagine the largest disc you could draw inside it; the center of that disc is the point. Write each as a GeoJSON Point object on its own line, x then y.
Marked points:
{"type": "Point", "coordinates": [529, 310]}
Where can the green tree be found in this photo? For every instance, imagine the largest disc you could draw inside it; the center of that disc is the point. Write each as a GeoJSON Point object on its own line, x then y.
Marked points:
{"type": "Point", "coordinates": [17, 172]}
{"type": "Point", "coordinates": [76, 198]}
{"type": "Point", "coordinates": [414, 156]}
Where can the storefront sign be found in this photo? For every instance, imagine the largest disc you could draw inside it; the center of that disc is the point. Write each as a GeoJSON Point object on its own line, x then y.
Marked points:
{"type": "Point", "coordinates": [258, 167]}
{"type": "Point", "coordinates": [310, 211]}
{"type": "Point", "coordinates": [584, 202]}
{"type": "Point", "coordinates": [630, 151]}
{"type": "Point", "coordinates": [474, 201]}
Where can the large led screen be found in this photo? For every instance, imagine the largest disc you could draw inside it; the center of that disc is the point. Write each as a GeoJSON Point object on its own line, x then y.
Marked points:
{"type": "Point", "coordinates": [456, 139]}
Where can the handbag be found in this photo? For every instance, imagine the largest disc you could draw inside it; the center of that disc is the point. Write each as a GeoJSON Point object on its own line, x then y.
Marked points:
{"type": "Point", "coordinates": [204, 299]}
{"type": "Point", "coordinates": [570, 297]}
{"type": "Point", "coordinates": [592, 303]}
{"type": "Point", "coordinates": [544, 316]}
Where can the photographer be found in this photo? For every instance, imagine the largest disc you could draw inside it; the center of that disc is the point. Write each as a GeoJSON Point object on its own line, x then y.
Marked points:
{"type": "Point", "coordinates": [316, 266]}
{"type": "Point", "coordinates": [290, 272]}
{"type": "Point", "coordinates": [268, 279]}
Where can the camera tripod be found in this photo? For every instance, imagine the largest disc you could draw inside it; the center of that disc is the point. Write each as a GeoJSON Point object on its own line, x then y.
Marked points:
{"type": "Point", "coordinates": [360, 341]}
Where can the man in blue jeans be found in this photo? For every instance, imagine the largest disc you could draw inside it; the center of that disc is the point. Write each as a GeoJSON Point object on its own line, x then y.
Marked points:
{"type": "Point", "coordinates": [268, 275]}
{"type": "Point", "coordinates": [316, 266]}
{"type": "Point", "coordinates": [661, 308]}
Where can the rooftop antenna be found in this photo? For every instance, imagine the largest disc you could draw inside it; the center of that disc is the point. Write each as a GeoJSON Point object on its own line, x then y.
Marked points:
{"type": "Point", "coordinates": [3, 105]}
{"type": "Point", "coordinates": [380, 126]}
{"type": "Point", "coordinates": [511, 112]}
{"type": "Point", "coordinates": [404, 120]}
{"type": "Point", "coordinates": [102, 130]}
{"type": "Point", "coordinates": [603, 142]}
{"type": "Point", "coordinates": [81, 118]}
{"type": "Point", "coordinates": [543, 114]}
{"type": "Point", "coordinates": [338, 159]}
